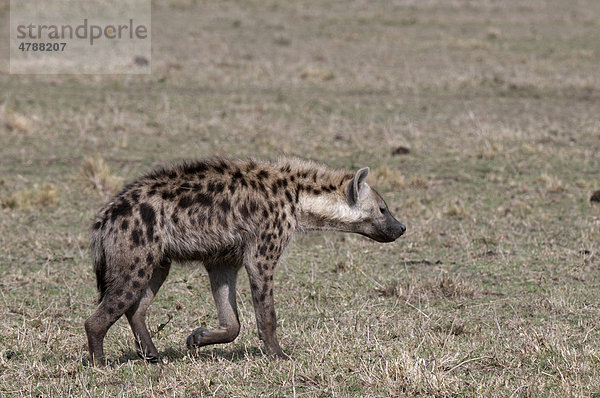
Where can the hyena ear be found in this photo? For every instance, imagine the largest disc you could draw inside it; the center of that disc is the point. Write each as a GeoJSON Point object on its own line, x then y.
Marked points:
{"type": "Point", "coordinates": [356, 185]}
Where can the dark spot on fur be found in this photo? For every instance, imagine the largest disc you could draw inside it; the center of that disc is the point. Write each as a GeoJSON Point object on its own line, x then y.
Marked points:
{"type": "Point", "coordinates": [166, 195]}
{"type": "Point", "coordinates": [141, 273]}
{"type": "Point", "coordinates": [121, 305]}
{"type": "Point", "coordinates": [135, 196]}
{"type": "Point", "coordinates": [149, 218]}
{"type": "Point", "coordinates": [123, 209]}
{"type": "Point", "coordinates": [288, 195]}
{"type": "Point", "coordinates": [253, 206]}
{"type": "Point", "coordinates": [265, 213]}
{"type": "Point", "coordinates": [203, 199]}
{"type": "Point", "coordinates": [110, 310]}
{"type": "Point", "coordinates": [97, 225]}
{"type": "Point", "coordinates": [225, 205]}
{"type": "Point", "coordinates": [286, 169]}
{"type": "Point", "coordinates": [149, 259]}
{"type": "Point", "coordinates": [219, 187]}
{"type": "Point", "coordinates": [195, 168]}
{"type": "Point", "coordinates": [274, 188]}
{"type": "Point", "coordinates": [135, 284]}
{"type": "Point", "coordinates": [119, 292]}
{"type": "Point", "coordinates": [263, 174]}
{"type": "Point", "coordinates": [136, 237]}
{"type": "Point", "coordinates": [175, 219]}
{"type": "Point", "coordinates": [129, 295]}
{"type": "Point", "coordinates": [237, 175]}
{"type": "Point", "coordinates": [124, 225]}
{"type": "Point", "coordinates": [262, 250]}
{"type": "Point", "coordinates": [251, 165]}
{"type": "Point", "coordinates": [185, 201]}
{"type": "Point", "coordinates": [244, 212]}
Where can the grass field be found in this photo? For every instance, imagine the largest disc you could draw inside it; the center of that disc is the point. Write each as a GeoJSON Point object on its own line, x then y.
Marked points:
{"type": "Point", "coordinates": [493, 291]}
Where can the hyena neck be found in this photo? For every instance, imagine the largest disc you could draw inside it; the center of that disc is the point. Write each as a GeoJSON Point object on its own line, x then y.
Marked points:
{"type": "Point", "coordinates": [322, 201]}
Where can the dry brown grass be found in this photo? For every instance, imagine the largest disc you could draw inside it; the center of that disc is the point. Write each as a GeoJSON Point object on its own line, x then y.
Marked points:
{"type": "Point", "coordinates": [96, 171]}
{"type": "Point", "coordinates": [40, 196]}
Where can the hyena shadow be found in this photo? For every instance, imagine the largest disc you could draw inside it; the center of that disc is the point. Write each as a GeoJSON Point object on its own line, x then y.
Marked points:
{"type": "Point", "coordinates": [209, 355]}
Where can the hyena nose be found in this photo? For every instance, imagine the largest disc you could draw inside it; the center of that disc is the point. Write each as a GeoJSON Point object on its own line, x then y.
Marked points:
{"type": "Point", "coordinates": [401, 229]}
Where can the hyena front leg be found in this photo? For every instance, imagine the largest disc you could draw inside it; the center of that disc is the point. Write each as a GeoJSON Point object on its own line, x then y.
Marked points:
{"type": "Point", "coordinates": [261, 269]}
{"type": "Point", "coordinates": [136, 315]}
{"type": "Point", "coordinates": [223, 278]}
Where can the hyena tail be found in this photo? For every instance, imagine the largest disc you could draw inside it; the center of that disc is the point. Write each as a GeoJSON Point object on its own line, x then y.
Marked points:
{"type": "Point", "coordinates": [99, 261]}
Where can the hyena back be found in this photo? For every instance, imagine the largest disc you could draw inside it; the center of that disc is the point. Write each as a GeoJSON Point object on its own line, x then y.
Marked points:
{"type": "Point", "coordinates": [228, 214]}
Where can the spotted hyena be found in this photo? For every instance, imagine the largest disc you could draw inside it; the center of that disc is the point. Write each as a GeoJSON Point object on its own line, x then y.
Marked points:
{"type": "Point", "coordinates": [228, 214]}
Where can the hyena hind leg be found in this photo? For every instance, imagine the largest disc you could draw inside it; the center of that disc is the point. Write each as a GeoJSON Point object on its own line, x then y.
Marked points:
{"type": "Point", "coordinates": [136, 315]}
{"type": "Point", "coordinates": [127, 287]}
{"type": "Point", "coordinates": [223, 279]}
{"type": "Point", "coordinates": [113, 305]}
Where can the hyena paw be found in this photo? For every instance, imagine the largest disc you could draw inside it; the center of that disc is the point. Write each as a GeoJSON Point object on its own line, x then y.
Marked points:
{"type": "Point", "coordinates": [197, 338]}
{"type": "Point", "coordinates": [146, 356]}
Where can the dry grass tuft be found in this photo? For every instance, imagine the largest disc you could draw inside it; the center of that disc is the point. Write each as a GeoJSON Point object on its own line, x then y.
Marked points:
{"type": "Point", "coordinates": [456, 210]}
{"type": "Point", "coordinates": [491, 150]}
{"type": "Point", "coordinates": [96, 171]}
{"type": "Point", "coordinates": [494, 33]}
{"type": "Point", "coordinates": [552, 184]}
{"type": "Point", "coordinates": [443, 286]}
{"type": "Point", "coordinates": [418, 182]}
{"type": "Point", "coordinates": [44, 196]}
{"type": "Point", "coordinates": [314, 72]}
{"type": "Point", "coordinates": [17, 122]}
{"type": "Point", "coordinates": [385, 176]}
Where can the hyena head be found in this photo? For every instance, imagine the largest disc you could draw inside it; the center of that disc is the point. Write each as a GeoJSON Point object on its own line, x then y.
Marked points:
{"type": "Point", "coordinates": [370, 214]}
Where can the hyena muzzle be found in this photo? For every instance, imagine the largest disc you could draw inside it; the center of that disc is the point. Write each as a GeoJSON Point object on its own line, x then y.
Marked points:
{"type": "Point", "coordinates": [227, 214]}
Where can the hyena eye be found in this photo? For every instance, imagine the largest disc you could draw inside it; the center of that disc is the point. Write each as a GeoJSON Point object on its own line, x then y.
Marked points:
{"type": "Point", "coordinates": [382, 210]}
